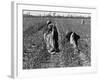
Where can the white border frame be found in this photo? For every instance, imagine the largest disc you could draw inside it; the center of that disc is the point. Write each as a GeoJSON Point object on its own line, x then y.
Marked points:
{"type": "Point", "coordinates": [17, 28]}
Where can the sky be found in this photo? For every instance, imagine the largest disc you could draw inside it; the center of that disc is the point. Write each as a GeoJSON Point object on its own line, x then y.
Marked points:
{"type": "Point", "coordinates": [44, 13]}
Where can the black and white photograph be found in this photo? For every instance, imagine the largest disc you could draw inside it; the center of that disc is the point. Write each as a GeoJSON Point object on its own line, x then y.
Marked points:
{"type": "Point", "coordinates": [56, 39]}
{"type": "Point", "coordinates": [50, 40]}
